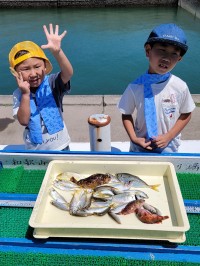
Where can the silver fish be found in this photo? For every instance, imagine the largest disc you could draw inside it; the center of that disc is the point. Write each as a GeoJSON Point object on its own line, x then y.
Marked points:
{"type": "Point", "coordinates": [117, 208]}
{"type": "Point", "coordinates": [68, 175]}
{"type": "Point", "coordinates": [128, 196]}
{"type": "Point", "coordinates": [135, 181]}
{"type": "Point", "coordinates": [100, 204]}
{"type": "Point", "coordinates": [100, 211]}
{"type": "Point", "coordinates": [123, 198]}
{"type": "Point", "coordinates": [102, 196]}
{"type": "Point", "coordinates": [120, 187]}
{"type": "Point", "coordinates": [81, 199]}
{"type": "Point", "coordinates": [56, 196]}
{"type": "Point", "coordinates": [81, 213]}
{"type": "Point", "coordinates": [139, 194]}
{"type": "Point", "coordinates": [105, 190]}
{"type": "Point", "coordinates": [60, 205]}
{"type": "Point", "coordinates": [65, 185]}
{"type": "Point", "coordinates": [108, 188]}
{"type": "Point", "coordinates": [114, 216]}
{"type": "Point", "coordinates": [152, 209]}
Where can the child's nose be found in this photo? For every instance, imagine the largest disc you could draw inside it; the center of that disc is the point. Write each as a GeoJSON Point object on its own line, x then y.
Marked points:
{"type": "Point", "coordinates": [166, 56]}
{"type": "Point", "coordinates": [33, 72]}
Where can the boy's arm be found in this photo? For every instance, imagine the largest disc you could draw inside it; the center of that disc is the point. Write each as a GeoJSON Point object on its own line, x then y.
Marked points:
{"type": "Point", "coordinates": [129, 127]}
{"type": "Point", "coordinates": [54, 45]}
{"type": "Point", "coordinates": [163, 140]}
{"type": "Point", "coordinates": [23, 114]}
{"type": "Point", "coordinates": [65, 66]}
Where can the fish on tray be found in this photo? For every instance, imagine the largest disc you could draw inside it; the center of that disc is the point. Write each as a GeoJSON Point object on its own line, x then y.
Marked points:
{"type": "Point", "coordinates": [58, 200]}
{"type": "Point", "coordinates": [67, 175]}
{"type": "Point", "coordinates": [125, 208]}
{"type": "Point", "coordinates": [80, 200]}
{"type": "Point", "coordinates": [100, 194]}
{"type": "Point", "coordinates": [147, 217]}
{"type": "Point", "coordinates": [127, 197]}
{"type": "Point", "coordinates": [132, 206]}
{"type": "Point", "coordinates": [135, 181]}
{"type": "Point", "coordinates": [65, 185]}
{"type": "Point", "coordinates": [92, 181]}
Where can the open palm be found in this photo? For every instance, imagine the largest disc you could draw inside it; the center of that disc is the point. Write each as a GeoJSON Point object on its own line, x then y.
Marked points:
{"type": "Point", "coordinates": [53, 38]}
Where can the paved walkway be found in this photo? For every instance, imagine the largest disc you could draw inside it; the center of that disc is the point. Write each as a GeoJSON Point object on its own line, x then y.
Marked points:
{"type": "Point", "coordinates": [77, 109]}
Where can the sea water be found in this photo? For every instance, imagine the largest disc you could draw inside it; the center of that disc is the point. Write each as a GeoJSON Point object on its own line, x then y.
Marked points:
{"type": "Point", "coordinates": [104, 45]}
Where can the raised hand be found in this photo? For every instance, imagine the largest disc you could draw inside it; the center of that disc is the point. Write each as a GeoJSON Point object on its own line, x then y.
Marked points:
{"type": "Point", "coordinates": [53, 38]}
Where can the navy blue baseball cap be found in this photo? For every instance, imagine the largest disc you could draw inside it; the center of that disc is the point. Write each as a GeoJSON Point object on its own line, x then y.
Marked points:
{"type": "Point", "coordinates": [169, 33]}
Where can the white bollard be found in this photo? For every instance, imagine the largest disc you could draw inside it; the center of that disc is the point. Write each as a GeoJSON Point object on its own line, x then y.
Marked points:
{"type": "Point", "coordinates": [99, 129]}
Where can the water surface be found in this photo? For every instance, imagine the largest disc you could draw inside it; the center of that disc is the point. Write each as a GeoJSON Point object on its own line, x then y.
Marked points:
{"type": "Point", "coordinates": [104, 45]}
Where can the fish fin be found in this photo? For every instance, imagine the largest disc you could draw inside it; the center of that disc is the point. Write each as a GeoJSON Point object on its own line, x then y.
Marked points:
{"type": "Point", "coordinates": [72, 179]}
{"type": "Point", "coordinates": [165, 217]}
{"type": "Point", "coordinates": [155, 187]}
{"type": "Point", "coordinates": [114, 216]}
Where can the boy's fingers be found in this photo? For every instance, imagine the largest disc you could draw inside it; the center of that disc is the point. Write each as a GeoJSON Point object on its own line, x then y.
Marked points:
{"type": "Point", "coordinates": [56, 29]}
{"type": "Point", "coordinates": [51, 28]}
{"type": "Point", "coordinates": [45, 30]}
{"type": "Point", "coordinates": [20, 76]}
{"type": "Point", "coordinates": [63, 34]}
{"type": "Point", "coordinates": [44, 46]}
{"type": "Point", "coordinates": [14, 72]}
{"type": "Point", "coordinates": [148, 148]}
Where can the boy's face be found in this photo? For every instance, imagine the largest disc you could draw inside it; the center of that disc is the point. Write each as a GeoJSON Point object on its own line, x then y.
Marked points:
{"type": "Point", "coordinates": [33, 71]}
{"type": "Point", "coordinates": [162, 57]}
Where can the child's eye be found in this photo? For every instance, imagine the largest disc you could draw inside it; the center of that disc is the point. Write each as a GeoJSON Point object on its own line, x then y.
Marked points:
{"type": "Point", "coordinates": [160, 50]}
{"type": "Point", "coordinates": [175, 55]}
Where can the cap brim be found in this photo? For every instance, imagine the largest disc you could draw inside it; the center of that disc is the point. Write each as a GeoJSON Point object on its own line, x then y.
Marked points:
{"type": "Point", "coordinates": [183, 47]}
{"type": "Point", "coordinates": [48, 66]}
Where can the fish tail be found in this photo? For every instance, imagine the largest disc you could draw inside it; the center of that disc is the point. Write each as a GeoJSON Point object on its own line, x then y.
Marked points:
{"type": "Point", "coordinates": [165, 217]}
{"type": "Point", "coordinates": [155, 187]}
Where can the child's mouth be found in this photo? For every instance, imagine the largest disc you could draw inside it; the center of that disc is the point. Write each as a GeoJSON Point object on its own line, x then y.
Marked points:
{"type": "Point", "coordinates": [163, 66]}
{"type": "Point", "coordinates": [34, 82]}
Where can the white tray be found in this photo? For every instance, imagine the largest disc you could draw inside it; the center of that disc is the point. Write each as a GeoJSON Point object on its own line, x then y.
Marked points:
{"type": "Point", "coordinates": [48, 221]}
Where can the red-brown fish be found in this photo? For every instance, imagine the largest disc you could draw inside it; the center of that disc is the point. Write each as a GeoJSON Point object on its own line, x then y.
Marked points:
{"type": "Point", "coordinates": [92, 181]}
{"type": "Point", "coordinates": [132, 206]}
{"type": "Point", "coordinates": [147, 217]}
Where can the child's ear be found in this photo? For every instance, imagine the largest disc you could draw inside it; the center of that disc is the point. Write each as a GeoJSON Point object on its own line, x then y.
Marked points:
{"type": "Point", "coordinates": [45, 67]}
{"type": "Point", "coordinates": [180, 58]}
{"type": "Point", "coordinates": [147, 49]}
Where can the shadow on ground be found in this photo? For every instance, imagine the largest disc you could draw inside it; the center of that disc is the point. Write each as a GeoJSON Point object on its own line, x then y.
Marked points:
{"type": "Point", "coordinates": [4, 123]}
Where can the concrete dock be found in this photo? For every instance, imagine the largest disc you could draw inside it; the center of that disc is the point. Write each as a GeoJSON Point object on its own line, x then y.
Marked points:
{"type": "Point", "coordinates": [77, 110]}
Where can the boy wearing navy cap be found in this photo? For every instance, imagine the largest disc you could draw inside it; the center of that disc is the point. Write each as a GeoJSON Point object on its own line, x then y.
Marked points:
{"type": "Point", "coordinates": [161, 102]}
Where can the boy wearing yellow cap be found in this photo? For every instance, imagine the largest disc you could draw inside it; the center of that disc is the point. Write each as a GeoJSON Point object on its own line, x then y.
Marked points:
{"type": "Point", "coordinates": [37, 102]}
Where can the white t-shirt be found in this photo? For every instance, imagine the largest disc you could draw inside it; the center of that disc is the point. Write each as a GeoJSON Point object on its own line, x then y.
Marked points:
{"type": "Point", "coordinates": [57, 141]}
{"type": "Point", "coordinates": [172, 98]}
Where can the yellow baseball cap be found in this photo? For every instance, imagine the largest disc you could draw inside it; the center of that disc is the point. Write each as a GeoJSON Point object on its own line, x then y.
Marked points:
{"type": "Point", "coordinates": [33, 51]}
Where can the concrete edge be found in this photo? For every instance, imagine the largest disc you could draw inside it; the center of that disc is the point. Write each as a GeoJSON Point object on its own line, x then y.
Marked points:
{"type": "Point", "coordinates": [192, 6]}
{"type": "Point", "coordinates": [89, 100]}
